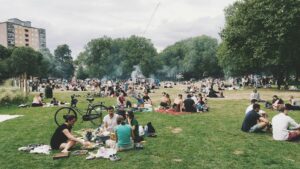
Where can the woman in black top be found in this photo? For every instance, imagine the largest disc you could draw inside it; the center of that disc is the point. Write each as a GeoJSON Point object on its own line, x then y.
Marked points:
{"type": "Point", "coordinates": [63, 139]}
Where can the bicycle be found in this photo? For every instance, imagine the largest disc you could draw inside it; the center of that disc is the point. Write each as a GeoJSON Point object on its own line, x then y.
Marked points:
{"type": "Point", "coordinates": [93, 112]}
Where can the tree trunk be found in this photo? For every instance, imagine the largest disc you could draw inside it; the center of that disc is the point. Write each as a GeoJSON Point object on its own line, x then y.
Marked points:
{"type": "Point", "coordinates": [25, 84]}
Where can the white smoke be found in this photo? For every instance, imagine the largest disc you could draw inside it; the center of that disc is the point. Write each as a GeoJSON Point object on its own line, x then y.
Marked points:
{"type": "Point", "coordinates": [137, 74]}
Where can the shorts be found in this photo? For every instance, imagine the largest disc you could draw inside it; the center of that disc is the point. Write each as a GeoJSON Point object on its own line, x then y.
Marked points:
{"type": "Point", "coordinates": [293, 136]}
{"type": "Point", "coordinates": [255, 128]}
{"type": "Point", "coordinates": [125, 147]}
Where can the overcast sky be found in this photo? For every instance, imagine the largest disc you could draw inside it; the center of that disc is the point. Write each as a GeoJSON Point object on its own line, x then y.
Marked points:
{"type": "Point", "coordinates": [76, 22]}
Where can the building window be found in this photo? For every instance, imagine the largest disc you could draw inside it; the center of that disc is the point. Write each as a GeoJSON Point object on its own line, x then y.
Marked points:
{"type": "Point", "coordinates": [26, 44]}
{"type": "Point", "coordinates": [26, 40]}
{"type": "Point", "coordinates": [26, 30]}
{"type": "Point", "coordinates": [26, 35]}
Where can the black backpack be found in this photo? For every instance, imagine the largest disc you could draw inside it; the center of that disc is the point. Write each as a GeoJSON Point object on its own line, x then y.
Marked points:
{"type": "Point", "coordinates": [151, 130]}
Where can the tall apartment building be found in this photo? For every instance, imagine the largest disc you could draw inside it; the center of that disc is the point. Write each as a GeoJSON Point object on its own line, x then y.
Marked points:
{"type": "Point", "coordinates": [15, 32]}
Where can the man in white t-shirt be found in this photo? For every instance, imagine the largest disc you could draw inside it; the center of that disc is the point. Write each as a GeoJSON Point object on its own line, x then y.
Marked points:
{"type": "Point", "coordinates": [110, 120]}
{"type": "Point", "coordinates": [250, 107]}
{"type": "Point", "coordinates": [284, 127]}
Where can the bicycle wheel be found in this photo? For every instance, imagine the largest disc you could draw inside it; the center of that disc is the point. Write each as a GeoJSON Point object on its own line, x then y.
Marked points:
{"type": "Point", "coordinates": [95, 114]}
{"type": "Point", "coordinates": [61, 113]}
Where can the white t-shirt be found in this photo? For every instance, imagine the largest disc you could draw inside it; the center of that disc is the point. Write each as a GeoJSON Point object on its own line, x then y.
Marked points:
{"type": "Point", "coordinates": [249, 108]}
{"type": "Point", "coordinates": [111, 122]}
{"type": "Point", "coordinates": [280, 124]}
{"type": "Point", "coordinates": [255, 96]}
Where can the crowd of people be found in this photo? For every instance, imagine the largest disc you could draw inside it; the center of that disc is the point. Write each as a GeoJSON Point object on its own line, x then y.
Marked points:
{"type": "Point", "coordinates": [282, 126]}
{"type": "Point", "coordinates": [122, 122]}
{"type": "Point", "coordinates": [125, 128]}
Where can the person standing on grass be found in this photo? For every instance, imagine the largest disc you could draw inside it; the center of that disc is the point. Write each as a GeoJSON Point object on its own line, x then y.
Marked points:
{"type": "Point", "coordinates": [63, 139]}
{"type": "Point", "coordinates": [253, 122]}
{"type": "Point", "coordinates": [284, 127]}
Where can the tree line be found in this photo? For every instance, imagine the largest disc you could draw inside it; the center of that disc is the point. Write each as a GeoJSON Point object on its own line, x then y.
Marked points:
{"type": "Point", "coordinates": [259, 37]}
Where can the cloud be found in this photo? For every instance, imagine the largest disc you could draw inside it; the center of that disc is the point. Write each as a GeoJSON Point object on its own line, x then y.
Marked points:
{"type": "Point", "coordinates": [76, 22]}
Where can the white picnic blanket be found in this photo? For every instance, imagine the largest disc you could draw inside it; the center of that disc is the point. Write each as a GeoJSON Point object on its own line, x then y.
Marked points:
{"type": "Point", "coordinates": [7, 117]}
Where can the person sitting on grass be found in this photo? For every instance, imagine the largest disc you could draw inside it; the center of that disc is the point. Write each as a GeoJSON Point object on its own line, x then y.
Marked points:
{"type": "Point", "coordinates": [63, 139]}
{"type": "Point", "coordinates": [255, 95]}
{"type": "Point", "coordinates": [147, 99]}
{"type": "Point", "coordinates": [110, 120]}
{"type": "Point", "coordinates": [165, 101]}
{"type": "Point", "coordinates": [178, 103]}
{"type": "Point", "coordinates": [121, 102]}
{"type": "Point", "coordinates": [37, 100]}
{"type": "Point", "coordinates": [277, 102]}
{"type": "Point", "coordinates": [189, 104]}
{"type": "Point", "coordinates": [250, 107]}
{"type": "Point", "coordinates": [54, 101]}
{"type": "Point", "coordinates": [131, 120]}
{"type": "Point", "coordinates": [201, 105]}
{"type": "Point", "coordinates": [261, 112]}
{"type": "Point", "coordinates": [123, 133]}
{"type": "Point", "coordinates": [253, 122]}
{"type": "Point", "coordinates": [284, 127]}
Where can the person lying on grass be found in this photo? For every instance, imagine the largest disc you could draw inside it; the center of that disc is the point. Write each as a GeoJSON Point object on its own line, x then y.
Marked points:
{"type": "Point", "coordinates": [63, 139]}
{"type": "Point", "coordinates": [284, 127]}
{"type": "Point", "coordinates": [123, 134]}
{"type": "Point", "coordinates": [253, 122]}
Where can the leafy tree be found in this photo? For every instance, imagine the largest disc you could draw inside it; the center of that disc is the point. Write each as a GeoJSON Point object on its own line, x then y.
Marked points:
{"type": "Point", "coordinates": [81, 73]}
{"type": "Point", "coordinates": [25, 62]}
{"type": "Point", "coordinates": [4, 69]}
{"type": "Point", "coordinates": [261, 37]}
{"type": "Point", "coordinates": [63, 62]}
{"type": "Point", "coordinates": [194, 57]}
{"type": "Point", "coordinates": [115, 58]}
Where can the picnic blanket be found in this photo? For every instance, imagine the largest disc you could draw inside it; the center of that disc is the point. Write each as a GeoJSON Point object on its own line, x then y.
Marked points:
{"type": "Point", "coordinates": [36, 149]}
{"type": "Point", "coordinates": [7, 117]}
{"type": "Point", "coordinates": [171, 112]}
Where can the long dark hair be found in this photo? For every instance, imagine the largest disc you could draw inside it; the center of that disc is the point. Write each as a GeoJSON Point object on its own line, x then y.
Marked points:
{"type": "Point", "coordinates": [69, 117]}
{"type": "Point", "coordinates": [130, 114]}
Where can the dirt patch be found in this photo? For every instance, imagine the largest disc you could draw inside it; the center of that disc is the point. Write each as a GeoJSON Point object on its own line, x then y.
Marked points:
{"type": "Point", "coordinates": [238, 152]}
{"type": "Point", "coordinates": [176, 130]}
{"type": "Point", "coordinates": [177, 160]}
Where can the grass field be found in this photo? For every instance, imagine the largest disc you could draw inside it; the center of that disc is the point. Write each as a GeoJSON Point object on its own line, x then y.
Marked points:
{"type": "Point", "coordinates": [207, 140]}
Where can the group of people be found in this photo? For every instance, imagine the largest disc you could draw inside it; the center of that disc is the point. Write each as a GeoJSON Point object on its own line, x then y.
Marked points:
{"type": "Point", "coordinates": [192, 103]}
{"type": "Point", "coordinates": [283, 127]}
{"type": "Point", "coordinates": [126, 130]}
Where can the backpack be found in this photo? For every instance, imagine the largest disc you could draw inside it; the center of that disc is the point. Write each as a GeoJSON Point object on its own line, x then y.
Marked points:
{"type": "Point", "coordinates": [150, 130]}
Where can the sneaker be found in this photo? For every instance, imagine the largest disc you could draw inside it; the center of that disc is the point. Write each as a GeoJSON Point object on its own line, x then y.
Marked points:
{"type": "Point", "coordinates": [114, 157]}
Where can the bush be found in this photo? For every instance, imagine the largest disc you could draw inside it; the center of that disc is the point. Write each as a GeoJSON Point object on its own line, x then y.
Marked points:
{"type": "Point", "coordinates": [11, 95]}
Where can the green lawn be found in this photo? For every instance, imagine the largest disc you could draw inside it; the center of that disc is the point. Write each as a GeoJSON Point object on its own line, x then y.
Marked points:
{"type": "Point", "coordinates": [210, 140]}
